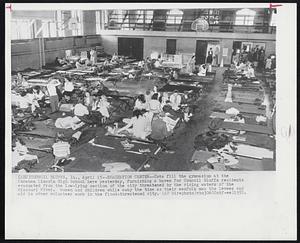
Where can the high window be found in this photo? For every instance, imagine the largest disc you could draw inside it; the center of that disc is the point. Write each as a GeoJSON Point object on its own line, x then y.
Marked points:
{"type": "Point", "coordinates": [245, 17]}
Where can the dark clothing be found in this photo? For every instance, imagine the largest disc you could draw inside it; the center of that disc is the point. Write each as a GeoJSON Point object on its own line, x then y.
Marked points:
{"type": "Point", "coordinates": [159, 129]}
{"type": "Point", "coordinates": [209, 57]}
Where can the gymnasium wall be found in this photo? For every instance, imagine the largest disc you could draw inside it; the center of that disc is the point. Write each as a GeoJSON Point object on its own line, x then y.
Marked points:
{"type": "Point", "coordinates": [26, 54]}
{"type": "Point", "coordinates": [186, 41]}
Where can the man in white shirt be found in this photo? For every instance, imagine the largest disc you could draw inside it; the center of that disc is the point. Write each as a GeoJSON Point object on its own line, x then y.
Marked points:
{"type": "Point", "coordinates": [51, 87]}
{"type": "Point", "coordinates": [175, 99]}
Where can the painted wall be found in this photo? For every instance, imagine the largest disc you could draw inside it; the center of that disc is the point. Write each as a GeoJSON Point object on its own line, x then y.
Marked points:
{"type": "Point", "coordinates": [186, 41]}
{"type": "Point", "coordinates": [25, 53]}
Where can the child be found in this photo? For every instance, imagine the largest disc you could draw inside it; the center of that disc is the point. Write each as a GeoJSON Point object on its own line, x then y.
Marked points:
{"type": "Point", "coordinates": [61, 152]}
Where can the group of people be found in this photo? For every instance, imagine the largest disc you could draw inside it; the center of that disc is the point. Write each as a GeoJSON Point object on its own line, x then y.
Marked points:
{"type": "Point", "coordinates": [155, 115]}
{"type": "Point", "coordinates": [256, 56]}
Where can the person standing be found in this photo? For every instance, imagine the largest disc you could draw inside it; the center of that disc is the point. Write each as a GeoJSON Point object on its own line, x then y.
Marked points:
{"type": "Point", "coordinates": [209, 56]}
{"type": "Point", "coordinates": [93, 54]}
{"type": "Point", "coordinates": [51, 87]}
{"type": "Point", "coordinates": [217, 52]}
{"type": "Point", "coordinates": [190, 68]}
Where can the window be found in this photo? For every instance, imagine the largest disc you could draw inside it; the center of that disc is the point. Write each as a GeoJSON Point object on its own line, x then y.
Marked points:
{"type": "Point", "coordinates": [245, 17]}
{"type": "Point", "coordinates": [174, 16]}
{"type": "Point", "coordinates": [21, 29]}
{"type": "Point", "coordinates": [171, 46]}
{"type": "Point", "coordinates": [78, 29]}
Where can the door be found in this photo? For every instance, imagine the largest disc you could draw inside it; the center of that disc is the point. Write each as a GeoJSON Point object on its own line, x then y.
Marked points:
{"type": "Point", "coordinates": [131, 47]}
{"type": "Point", "coordinates": [201, 47]}
{"type": "Point", "coordinates": [171, 46]}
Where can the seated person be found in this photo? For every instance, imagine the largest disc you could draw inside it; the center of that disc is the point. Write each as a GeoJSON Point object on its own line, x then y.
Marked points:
{"type": "Point", "coordinates": [80, 110]}
{"type": "Point", "coordinates": [148, 96]}
{"type": "Point", "coordinates": [88, 99]}
{"type": "Point", "coordinates": [202, 70]}
{"type": "Point", "coordinates": [84, 115]}
{"type": "Point", "coordinates": [80, 64]}
{"type": "Point", "coordinates": [187, 114]}
{"type": "Point", "coordinates": [154, 104]}
{"type": "Point", "coordinates": [68, 89]}
{"type": "Point", "coordinates": [141, 63]}
{"type": "Point", "coordinates": [167, 108]}
{"type": "Point", "coordinates": [140, 103]}
{"type": "Point", "coordinates": [103, 106]}
{"type": "Point", "coordinates": [164, 98]}
{"type": "Point", "coordinates": [241, 66]}
{"type": "Point", "coordinates": [60, 62]}
{"type": "Point", "coordinates": [157, 64]}
{"type": "Point", "coordinates": [61, 151]}
{"type": "Point", "coordinates": [20, 154]}
{"type": "Point", "coordinates": [33, 101]}
{"type": "Point", "coordinates": [21, 80]}
{"type": "Point", "coordinates": [114, 57]}
{"type": "Point", "coordinates": [175, 100]}
{"type": "Point", "coordinates": [170, 123]}
{"type": "Point", "coordinates": [106, 63]}
{"type": "Point", "coordinates": [23, 102]}
{"type": "Point", "coordinates": [39, 96]}
{"type": "Point", "coordinates": [138, 125]}
{"type": "Point", "coordinates": [250, 72]}
{"type": "Point", "coordinates": [159, 130]}
{"type": "Point", "coordinates": [88, 62]}
{"type": "Point", "coordinates": [175, 75]}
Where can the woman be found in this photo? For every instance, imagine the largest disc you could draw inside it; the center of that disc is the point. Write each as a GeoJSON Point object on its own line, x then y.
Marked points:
{"type": "Point", "coordinates": [39, 96]}
{"type": "Point", "coordinates": [154, 104]}
{"type": "Point", "coordinates": [140, 103]}
{"type": "Point", "coordinates": [88, 99]}
{"type": "Point", "coordinates": [190, 68]}
{"type": "Point", "coordinates": [202, 70]}
{"type": "Point", "coordinates": [268, 63]}
{"type": "Point", "coordinates": [209, 56]}
{"type": "Point", "coordinates": [164, 98]}
{"type": "Point", "coordinates": [93, 58]}
{"type": "Point", "coordinates": [159, 130]}
{"type": "Point", "coordinates": [138, 125]}
{"type": "Point", "coordinates": [68, 89]}
{"type": "Point", "coordinates": [175, 99]}
{"type": "Point", "coordinates": [103, 106]}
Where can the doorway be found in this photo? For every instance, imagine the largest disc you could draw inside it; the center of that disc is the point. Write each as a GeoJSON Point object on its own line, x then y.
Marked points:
{"type": "Point", "coordinates": [201, 47]}
{"type": "Point", "coordinates": [131, 47]}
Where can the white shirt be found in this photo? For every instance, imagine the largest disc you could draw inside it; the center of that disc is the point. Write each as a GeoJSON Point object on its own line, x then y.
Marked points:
{"type": "Point", "coordinates": [175, 100]}
{"type": "Point", "coordinates": [157, 64]}
{"type": "Point", "coordinates": [69, 87]}
{"type": "Point", "coordinates": [52, 89]}
{"type": "Point", "coordinates": [80, 110]}
{"type": "Point", "coordinates": [39, 95]}
{"type": "Point", "coordinates": [139, 127]}
{"type": "Point", "coordinates": [139, 105]}
{"type": "Point", "coordinates": [154, 106]}
{"type": "Point", "coordinates": [23, 102]}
